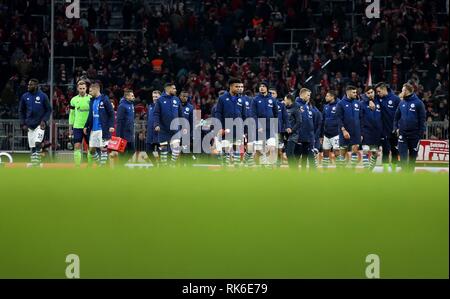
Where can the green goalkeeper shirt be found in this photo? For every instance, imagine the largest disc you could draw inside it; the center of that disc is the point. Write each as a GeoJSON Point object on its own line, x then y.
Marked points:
{"type": "Point", "coordinates": [79, 111]}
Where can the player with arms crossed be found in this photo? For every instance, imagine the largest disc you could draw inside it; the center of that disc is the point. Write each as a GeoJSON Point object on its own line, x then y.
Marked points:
{"type": "Point", "coordinates": [99, 125]}
{"type": "Point", "coordinates": [34, 112]}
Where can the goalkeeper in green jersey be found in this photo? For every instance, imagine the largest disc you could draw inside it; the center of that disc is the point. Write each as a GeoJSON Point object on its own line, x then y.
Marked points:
{"type": "Point", "coordinates": [79, 111]}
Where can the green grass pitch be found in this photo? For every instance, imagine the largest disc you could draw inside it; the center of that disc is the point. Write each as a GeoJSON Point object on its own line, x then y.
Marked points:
{"type": "Point", "coordinates": [202, 223]}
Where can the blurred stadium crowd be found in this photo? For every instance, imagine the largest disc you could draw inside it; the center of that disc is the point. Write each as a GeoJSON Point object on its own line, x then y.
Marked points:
{"type": "Point", "coordinates": [199, 45]}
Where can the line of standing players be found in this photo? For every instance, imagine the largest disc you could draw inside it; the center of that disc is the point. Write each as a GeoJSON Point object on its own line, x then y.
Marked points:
{"type": "Point", "coordinates": [376, 118]}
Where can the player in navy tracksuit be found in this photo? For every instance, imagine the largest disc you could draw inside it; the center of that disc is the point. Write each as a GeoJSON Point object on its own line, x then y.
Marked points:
{"type": "Point", "coordinates": [34, 112]}
{"type": "Point", "coordinates": [317, 118]}
{"type": "Point", "coordinates": [125, 120]}
{"type": "Point", "coordinates": [306, 136]}
{"type": "Point", "coordinates": [409, 123]}
{"type": "Point", "coordinates": [230, 108]}
{"type": "Point", "coordinates": [167, 110]}
{"type": "Point", "coordinates": [152, 143]}
{"type": "Point", "coordinates": [293, 148]}
{"type": "Point", "coordinates": [348, 112]}
{"type": "Point", "coordinates": [371, 127]}
{"type": "Point", "coordinates": [248, 101]}
{"type": "Point", "coordinates": [389, 103]}
{"type": "Point", "coordinates": [99, 125]}
{"type": "Point", "coordinates": [283, 125]}
{"type": "Point", "coordinates": [265, 114]}
{"type": "Point", "coordinates": [188, 114]}
{"type": "Point", "coordinates": [330, 131]}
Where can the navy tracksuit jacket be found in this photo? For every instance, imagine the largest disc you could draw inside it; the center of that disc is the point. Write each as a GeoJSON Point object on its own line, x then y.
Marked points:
{"type": "Point", "coordinates": [125, 120]}
{"type": "Point", "coordinates": [283, 118]}
{"type": "Point", "coordinates": [34, 108]}
{"type": "Point", "coordinates": [330, 121]}
{"type": "Point", "coordinates": [231, 107]}
{"type": "Point", "coordinates": [306, 133]}
{"type": "Point", "coordinates": [371, 123]}
{"type": "Point", "coordinates": [152, 135]}
{"type": "Point", "coordinates": [410, 121]}
{"type": "Point", "coordinates": [167, 109]}
{"type": "Point", "coordinates": [389, 105]}
{"type": "Point", "coordinates": [348, 114]}
{"type": "Point", "coordinates": [106, 115]}
{"type": "Point", "coordinates": [265, 108]}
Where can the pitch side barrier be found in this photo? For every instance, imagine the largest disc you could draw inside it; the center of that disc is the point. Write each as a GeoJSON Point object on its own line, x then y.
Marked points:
{"type": "Point", "coordinates": [13, 139]}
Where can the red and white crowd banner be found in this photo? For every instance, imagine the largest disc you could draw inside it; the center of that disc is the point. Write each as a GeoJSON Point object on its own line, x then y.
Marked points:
{"type": "Point", "coordinates": [433, 151]}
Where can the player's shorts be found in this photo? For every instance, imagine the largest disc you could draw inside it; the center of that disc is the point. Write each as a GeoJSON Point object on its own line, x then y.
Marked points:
{"type": "Point", "coordinates": [370, 148]}
{"type": "Point", "coordinates": [330, 143]}
{"type": "Point", "coordinates": [229, 143]}
{"type": "Point", "coordinates": [35, 136]}
{"type": "Point", "coordinates": [258, 145]}
{"type": "Point", "coordinates": [172, 142]}
{"type": "Point", "coordinates": [78, 136]}
{"type": "Point", "coordinates": [96, 140]}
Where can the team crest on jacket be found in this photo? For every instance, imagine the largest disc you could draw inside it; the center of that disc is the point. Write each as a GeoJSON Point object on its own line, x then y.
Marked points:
{"type": "Point", "coordinates": [334, 108]}
{"type": "Point", "coordinates": [412, 105]}
{"type": "Point", "coordinates": [356, 105]}
{"type": "Point", "coordinates": [38, 99]}
{"type": "Point", "coordinates": [270, 101]}
{"type": "Point", "coordinates": [390, 102]}
{"type": "Point", "coordinates": [187, 108]}
{"type": "Point", "coordinates": [174, 101]}
{"type": "Point", "coordinates": [239, 100]}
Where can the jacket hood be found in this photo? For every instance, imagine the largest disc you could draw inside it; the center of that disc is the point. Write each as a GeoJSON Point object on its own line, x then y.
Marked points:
{"type": "Point", "coordinates": [390, 94]}
{"type": "Point", "coordinates": [294, 104]}
{"type": "Point", "coordinates": [125, 101]}
{"type": "Point", "coordinates": [345, 98]}
{"type": "Point", "coordinates": [262, 96]}
{"type": "Point", "coordinates": [364, 98]}
{"type": "Point", "coordinates": [411, 97]}
{"type": "Point", "coordinates": [299, 99]}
